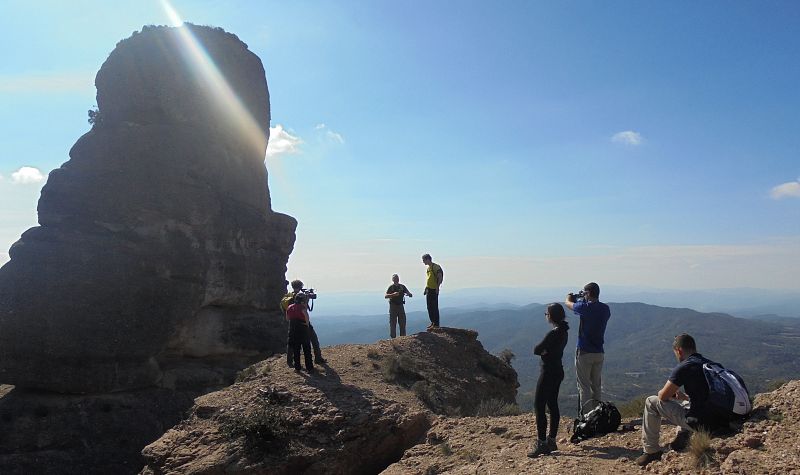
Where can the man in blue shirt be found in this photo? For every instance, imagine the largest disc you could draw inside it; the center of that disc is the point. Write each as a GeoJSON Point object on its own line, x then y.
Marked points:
{"type": "Point", "coordinates": [589, 356]}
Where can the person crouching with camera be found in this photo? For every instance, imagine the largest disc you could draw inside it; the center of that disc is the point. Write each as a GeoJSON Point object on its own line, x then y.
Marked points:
{"type": "Point", "coordinates": [297, 315]}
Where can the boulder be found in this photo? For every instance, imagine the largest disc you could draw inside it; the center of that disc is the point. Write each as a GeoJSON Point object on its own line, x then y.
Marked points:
{"type": "Point", "coordinates": [156, 240]}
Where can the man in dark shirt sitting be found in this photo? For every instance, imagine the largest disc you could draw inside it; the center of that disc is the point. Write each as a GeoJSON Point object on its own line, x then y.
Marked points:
{"type": "Point", "coordinates": [689, 374]}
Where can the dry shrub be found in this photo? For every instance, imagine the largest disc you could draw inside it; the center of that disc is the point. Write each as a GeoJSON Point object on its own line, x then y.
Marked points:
{"type": "Point", "coordinates": [445, 449]}
{"type": "Point", "coordinates": [264, 424]}
{"type": "Point", "coordinates": [496, 407]}
{"type": "Point", "coordinates": [700, 449]}
{"type": "Point", "coordinates": [632, 408]}
{"type": "Point", "coordinates": [391, 369]}
{"type": "Point", "coordinates": [506, 355]}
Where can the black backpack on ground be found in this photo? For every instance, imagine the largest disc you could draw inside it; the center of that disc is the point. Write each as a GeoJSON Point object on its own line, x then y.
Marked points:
{"type": "Point", "coordinates": [601, 420]}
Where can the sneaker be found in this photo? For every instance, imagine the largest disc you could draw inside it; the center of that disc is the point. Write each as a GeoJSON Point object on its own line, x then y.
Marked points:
{"type": "Point", "coordinates": [551, 444]}
{"type": "Point", "coordinates": [644, 459]}
{"type": "Point", "coordinates": [320, 361]}
{"type": "Point", "coordinates": [542, 448]}
{"type": "Point", "coordinates": [681, 441]}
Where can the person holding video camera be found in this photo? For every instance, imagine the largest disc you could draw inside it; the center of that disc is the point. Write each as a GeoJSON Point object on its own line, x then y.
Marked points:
{"type": "Point", "coordinates": [286, 301]}
{"type": "Point", "coordinates": [589, 355]}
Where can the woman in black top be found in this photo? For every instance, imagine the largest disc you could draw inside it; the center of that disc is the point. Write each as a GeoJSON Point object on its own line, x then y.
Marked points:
{"type": "Point", "coordinates": [551, 349]}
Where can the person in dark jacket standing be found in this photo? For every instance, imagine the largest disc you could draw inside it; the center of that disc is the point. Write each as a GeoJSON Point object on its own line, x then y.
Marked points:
{"type": "Point", "coordinates": [551, 349]}
{"type": "Point", "coordinates": [297, 316]}
{"type": "Point", "coordinates": [396, 293]}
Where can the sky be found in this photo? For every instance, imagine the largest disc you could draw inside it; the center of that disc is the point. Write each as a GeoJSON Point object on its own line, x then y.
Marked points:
{"type": "Point", "coordinates": [520, 143]}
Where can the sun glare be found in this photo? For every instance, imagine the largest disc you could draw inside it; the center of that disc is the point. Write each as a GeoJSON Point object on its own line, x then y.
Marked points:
{"type": "Point", "coordinates": [174, 18]}
{"type": "Point", "coordinates": [225, 98]}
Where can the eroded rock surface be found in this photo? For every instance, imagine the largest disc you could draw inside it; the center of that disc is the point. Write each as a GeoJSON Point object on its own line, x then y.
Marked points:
{"type": "Point", "coordinates": [156, 239]}
{"type": "Point", "coordinates": [156, 269]}
{"type": "Point", "coordinates": [356, 415]}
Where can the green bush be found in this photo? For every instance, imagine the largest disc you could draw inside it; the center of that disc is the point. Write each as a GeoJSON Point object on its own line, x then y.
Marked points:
{"type": "Point", "coordinates": [264, 424]}
{"type": "Point", "coordinates": [632, 408]}
{"type": "Point", "coordinates": [496, 407]}
{"type": "Point", "coordinates": [95, 117]}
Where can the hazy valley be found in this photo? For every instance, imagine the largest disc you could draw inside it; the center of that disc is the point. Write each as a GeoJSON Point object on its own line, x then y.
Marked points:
{"type": "Point", "coordinates": [638, 339]}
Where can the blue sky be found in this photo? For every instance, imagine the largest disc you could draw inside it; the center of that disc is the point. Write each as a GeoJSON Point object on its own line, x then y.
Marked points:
{"type": "Point", "coordinates": [520, 143]}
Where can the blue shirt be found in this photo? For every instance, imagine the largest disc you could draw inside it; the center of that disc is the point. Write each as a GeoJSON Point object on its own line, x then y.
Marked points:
{"type": "Point", "coordinates": [594, 317]}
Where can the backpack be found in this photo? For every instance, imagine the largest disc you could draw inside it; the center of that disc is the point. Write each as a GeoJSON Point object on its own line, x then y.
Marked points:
{"type": "Point", "coordinates": [439, 270]}
{"type": "Point", "coordinates": [287, 300]}
{"type": "Point", "coordinates": [726, 390]}
{"type": "Point", "coordinates": [601, 420]}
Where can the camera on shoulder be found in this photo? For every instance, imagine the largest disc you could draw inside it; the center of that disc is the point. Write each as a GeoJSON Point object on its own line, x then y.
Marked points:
{"type": "Point", "coordinates": [309, 293]}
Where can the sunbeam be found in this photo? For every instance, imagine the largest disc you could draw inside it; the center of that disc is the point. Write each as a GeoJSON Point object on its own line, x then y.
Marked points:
{"type": "Point", "coordinates": [225, 98]}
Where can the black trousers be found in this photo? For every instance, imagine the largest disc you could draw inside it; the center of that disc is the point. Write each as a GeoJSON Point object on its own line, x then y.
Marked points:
{"type": "Point", "coordinates": [547, 395]}
{"type": "Point", "coordinates": [314, 344]}
{"type": "Point", "coordinates": [299, 338]}
{"type": "Point", "coordinates": [432, 299]}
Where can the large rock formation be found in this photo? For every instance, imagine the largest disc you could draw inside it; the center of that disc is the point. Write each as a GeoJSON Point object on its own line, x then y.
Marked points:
{"type": "Point", "coordinates": [157, 243]}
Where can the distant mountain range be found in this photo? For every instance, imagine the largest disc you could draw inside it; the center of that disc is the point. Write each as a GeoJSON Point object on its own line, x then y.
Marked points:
{"type": "Point", "coordinates": [638, 343]}
{"type": "Point", "coordinates": [742, 302]}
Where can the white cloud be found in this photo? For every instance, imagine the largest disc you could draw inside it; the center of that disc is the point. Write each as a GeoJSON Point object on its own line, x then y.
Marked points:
{"type": "Point", "coordinates": [47, 83]}
{"type": "Point", "coordinates": [336, 137]}
{"type": "Point", "coordinates": [282, 142]}
{"type": "Point", "coordinates": [27, 175]}
{"type": "Point", "coordinates": [786, 190]}
{"type": "Point", "coordinates": [330, 134]}
{"type": "Point", "coordinates": [628, 137]}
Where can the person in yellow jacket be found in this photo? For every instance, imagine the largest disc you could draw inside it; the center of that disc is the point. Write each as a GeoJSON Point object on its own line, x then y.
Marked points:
{"type": "Point", "coordinates": [435, 276]}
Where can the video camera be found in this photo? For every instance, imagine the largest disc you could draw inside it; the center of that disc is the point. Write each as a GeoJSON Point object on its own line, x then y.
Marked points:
{"type": "Point", "coordinates": [577, 295]}
{"type": "Point", "coordinates": [309, 293]}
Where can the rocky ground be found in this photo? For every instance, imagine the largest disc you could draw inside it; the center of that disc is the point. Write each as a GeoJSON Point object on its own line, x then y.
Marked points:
{"type": "Point", "coordinates": [766, 444]}
{"type": "Point", "coordinates": [407, 406]}
{"type": "Point", "coordinates": [356, 414]}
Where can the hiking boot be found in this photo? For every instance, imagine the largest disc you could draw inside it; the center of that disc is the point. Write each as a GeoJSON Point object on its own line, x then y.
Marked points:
{"type": "Point", "coordinates": [551, 444]}
{"type": "Point", "coordinates": [644, 459]}
{"type": "Point", "coordinates": [681, 441]}
{"type": "Point", "coordinates": [542, 448]}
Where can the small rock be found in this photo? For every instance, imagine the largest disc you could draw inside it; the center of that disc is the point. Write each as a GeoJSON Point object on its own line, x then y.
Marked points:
{"type": "Point", "coordinates": [753, 442]}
